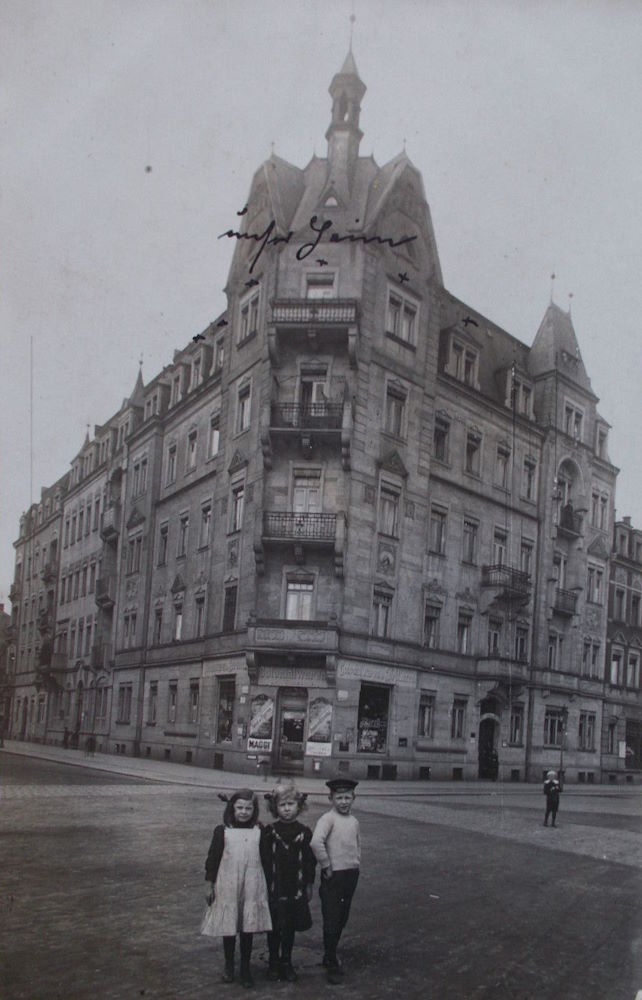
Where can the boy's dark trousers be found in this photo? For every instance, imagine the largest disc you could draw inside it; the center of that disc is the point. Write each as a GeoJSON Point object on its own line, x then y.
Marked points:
{"type": "Point", "coordinates": [552, 806]}
{"type": "Point", "coordinates": [336, 896]}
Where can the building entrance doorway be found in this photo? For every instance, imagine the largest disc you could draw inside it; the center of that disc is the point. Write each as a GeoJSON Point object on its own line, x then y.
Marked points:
{"type": "Point", "coordinates": [290, 730]}
{"type": "Point", "coordinates": [488, 758]}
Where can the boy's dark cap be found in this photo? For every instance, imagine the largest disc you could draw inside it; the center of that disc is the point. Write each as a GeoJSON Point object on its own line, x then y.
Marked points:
{"type": "Point", "coordinates": [342, 784]}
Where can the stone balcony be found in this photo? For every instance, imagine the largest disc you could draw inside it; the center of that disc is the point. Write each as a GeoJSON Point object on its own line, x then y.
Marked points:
{"type": "Point", "coordinates": [322, 322]}
{"type": "Point", "coordinates": [106, 592]}
{"type": "Point", "coordinates": [110, 523]}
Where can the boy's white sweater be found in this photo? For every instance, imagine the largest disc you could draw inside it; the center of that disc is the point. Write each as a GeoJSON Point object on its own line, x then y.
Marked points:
{"type": "Point", "coordinates": [336, 841]}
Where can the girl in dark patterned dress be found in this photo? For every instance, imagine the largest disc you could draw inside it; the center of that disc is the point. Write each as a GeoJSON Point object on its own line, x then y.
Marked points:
{"type": "Point", "coordinates": [289, 866]}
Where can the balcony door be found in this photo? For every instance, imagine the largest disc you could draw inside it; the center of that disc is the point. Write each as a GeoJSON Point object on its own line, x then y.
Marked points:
{"type": "Point", "coordinates": [306, 494]}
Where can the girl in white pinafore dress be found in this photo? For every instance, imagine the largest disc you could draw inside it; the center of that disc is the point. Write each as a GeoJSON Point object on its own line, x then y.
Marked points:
{"type": "Point", "coordinates": [238, 899]}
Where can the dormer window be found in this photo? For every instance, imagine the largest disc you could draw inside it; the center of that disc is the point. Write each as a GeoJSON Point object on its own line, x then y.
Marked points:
{"type": "Point", "coordinates": [401, 318]}
{"type": "Point", "coordinates": [463, 363]}
{"type": "Point", "coordinates": [248, 317]}
{"type": "Point", "coordinates": [601, 441]}
{"type": "Point", "coordinates": [176, 395]}
{"type": "Point", "coordinates": [196, 372]}
{"type": "Point", "coordinates": [519, 394]}
{"type": "Point", "coordinates": [151, 406]}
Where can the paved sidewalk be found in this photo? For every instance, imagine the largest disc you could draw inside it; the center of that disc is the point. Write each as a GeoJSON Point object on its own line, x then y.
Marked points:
{"type": "Point", "coordinates": [201, 777]}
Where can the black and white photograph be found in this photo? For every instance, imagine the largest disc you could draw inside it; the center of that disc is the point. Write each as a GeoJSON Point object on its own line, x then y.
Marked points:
{"type": "Point", "coordinates": [321, 499]}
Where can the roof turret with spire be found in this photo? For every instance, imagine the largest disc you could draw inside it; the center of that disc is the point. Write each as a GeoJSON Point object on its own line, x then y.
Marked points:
{"type": "Point", "coordinates": [343, 134]}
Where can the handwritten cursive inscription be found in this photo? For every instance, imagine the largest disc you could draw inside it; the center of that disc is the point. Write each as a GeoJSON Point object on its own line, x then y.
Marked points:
{"type": "Point", "coordinates": [269, 238]}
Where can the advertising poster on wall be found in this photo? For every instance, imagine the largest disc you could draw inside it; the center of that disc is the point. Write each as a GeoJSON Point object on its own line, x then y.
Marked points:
{"type": "Point", "coordinates": [261, 720]}
{"type": "Point", "coordinates": [319, 743]}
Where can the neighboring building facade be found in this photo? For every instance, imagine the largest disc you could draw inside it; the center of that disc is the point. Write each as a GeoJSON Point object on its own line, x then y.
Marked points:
{"type": "Point", "coordinates": [354, 525]}
{"type": "Point", "coordinates": [622, 727]}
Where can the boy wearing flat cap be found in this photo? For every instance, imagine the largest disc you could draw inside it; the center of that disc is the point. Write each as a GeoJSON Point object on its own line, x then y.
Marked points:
{"type": "Point", "coordinates": [337, 848]}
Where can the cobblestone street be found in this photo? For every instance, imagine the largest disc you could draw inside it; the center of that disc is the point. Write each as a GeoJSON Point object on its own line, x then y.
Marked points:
{"type": "Point", "coordinates": [463, 895]}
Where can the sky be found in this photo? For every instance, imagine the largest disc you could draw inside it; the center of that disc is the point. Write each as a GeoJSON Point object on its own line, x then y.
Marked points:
{"type": "Point", "coordinates": [523, 118]}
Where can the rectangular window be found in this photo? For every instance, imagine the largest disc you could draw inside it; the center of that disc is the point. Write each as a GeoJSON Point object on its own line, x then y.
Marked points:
{"type": "Point", "coordinates": [196, 373]}
{"type": "Point", "coordinates": [83, 582]}
{"type": "Point", "coordinates": [81, 521]}
{"type": "Point", "coordinates": [516, 732]}
{"type": "Point", "coordinates": [494, 636]}
{"type": "Point", "coordinates": [163, 538]}
{"type": "Point", "coordinates": [500, 547]}
{"type": "Point", "coordinates": [586, 731]}
{"type": "Point", "coordinates": [401, 319]}
{"type": "Point", "coordinates": [152, 704]}
{"type": "Point", "coordinates": [172, 701]}
{"type": "Point", "coordinates": [611, 737]}
{"type": "Point", "coordinates": [243, 409]}
{"type": "Point", "coordinates": [464, 626]}
{"type": "Point", "coordinates": [214, 440]}
{"type": "Point", "coordinates": [573, 420]}
{"type": "Point", "coordinates": [633, 671]}
{"type": "Point", "coordinates": [604, 510]}
{"type": "Point", "coordinates": [617, 668]}
{"type": "Point", "coordinates": [595, 578]}
{"type": "Point", "coordinates": [553, 727]}
{"type": "Point", "coordinates": [388, 511]}
{"type": "Point", "coordinates": [526, 557]}
{"type": "Point", "coordinates": [438, 530]}
{"type": "Point", "coordinates": [634, 616]}
{"type": "Point", "coordinates": [618, 610]}
{"type": "Point", "coordinates": [469, 554]}
{"type": "Point", "coordinates": [158, 626]}
{"type": "Point", "coordinates": [394, 422]}
{"type": "Point", "coordinates": [194, 698]}
{"type": "Point", "coordinates": [502, 465]}
{"type": "Point", "coordinates": [381, 605]}
{"type": "Point", "coordinates": [206, 524]}
{"type": "Point", "coordinates": [298, 601]}
{"type": "Point", "coordinates": [124, 703]}
{"type": "Point", "coordinates": [248, 317]}
{"type": "Point", "coordinates": [595, 506]}
{"type": "Point", "coordinates": [199, 624]}
{"type": "Point", "coordinates": [528, 479]}
{"type": "Point", "coordinates": [472, 462]}
{"type": "Point", "coordinates": [440, 439]}
{"type": "Point", "coordinates": [238, 501]}
{"type": "Point", "coordinates": [229, 608]}
{"type": "Point", "coordinates": [521, 644]}
{"type": "Point", "coordinates": [134, 552]}
{"type": "Point", "coordinates": [178, 622]}
{"type": "Point", "coordinates": [426, 721]}
{"type": "Point", "coordinates": [225, 715]}
{"type": "Point", "coordinates": [171, 465]}
{"type": "Point", "coordinates": [458, 719]}
{"type": "Point", "coordinates": [432, 617]}
{"type": "Point", "coordinates": [190, 457]}
{"type": "Point", "coordinates": [219, 356]}
{"type": "Point", "coordinates": [183, 535]}
{"type": "Point", "coordinates": [372, 719]}
{"type": "Point", "coordinates": [176, 389]}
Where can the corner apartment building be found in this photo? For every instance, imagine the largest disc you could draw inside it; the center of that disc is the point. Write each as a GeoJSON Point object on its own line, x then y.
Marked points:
{"type": "Point", "coordinates": [354, 525]}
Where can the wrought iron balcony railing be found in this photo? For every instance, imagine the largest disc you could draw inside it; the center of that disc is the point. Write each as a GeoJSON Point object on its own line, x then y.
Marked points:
{"type": "Point", "coordinates": [299, 526]}
{"type": "Point", "coordinates": [515, 581]}
{"type": "Point", "coordinates": [565, 601]}
{"type": "Point", "coordinates": [321, 416]}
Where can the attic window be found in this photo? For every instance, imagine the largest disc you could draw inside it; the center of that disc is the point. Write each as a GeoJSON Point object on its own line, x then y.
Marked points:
{"type": "Point", "coordinates": [331, 202]}
{"type": "Point", "coordinates": [464, 363]}
{"type": "Point", "coordinates": [320, 286]}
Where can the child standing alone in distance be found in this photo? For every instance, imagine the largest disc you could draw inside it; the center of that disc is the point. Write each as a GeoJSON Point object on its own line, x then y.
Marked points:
{"type": "Point", "coordinates": [289, 866]}
{"type": "Point", "coordinates": [239, 902]}
{"type": "Point", "coordinates": [337, 846]}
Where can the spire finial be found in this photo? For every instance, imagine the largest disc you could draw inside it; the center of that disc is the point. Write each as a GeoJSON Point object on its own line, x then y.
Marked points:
{"type": "Point", "coordinates": [570, 297]}
{"type": "Point", "coordinates": [272, 148]}
{"type": "Point", "coordinates": [140, 361]}
{"type": "Point", "coordinates": [552, 286]}
{"type": "Point", "coordinates": [352, 20]}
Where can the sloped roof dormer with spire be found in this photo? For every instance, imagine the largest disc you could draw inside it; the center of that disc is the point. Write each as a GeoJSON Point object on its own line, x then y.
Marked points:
{"type": "Point", "coordinates": [556, 348]}
{"type": "Point", "coordinates": [359, 197]}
